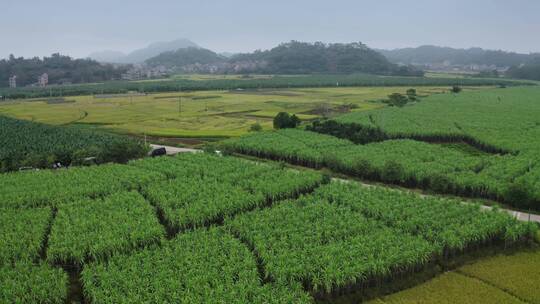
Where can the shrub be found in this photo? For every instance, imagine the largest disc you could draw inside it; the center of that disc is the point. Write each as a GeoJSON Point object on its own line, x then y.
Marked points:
{"type": "Point", "coordinates": [283, 121]}
{"type": "Point", "coordinates": [393, 172]}
{"type": "Point", "coordinates": [256, 127]}
{"type": "Point", "coordinates": [332, 161]}
{"type": "Point", "coordinates": [519, 195]}
{"type": "Point", "coordinates": [440, 183]}
{"type": "Point", "coordinates": [411, 94]}
{"type": "Point", "coordinates": [362, 167]}
{"type": "Point", "coordinates": [456, 89]}
{"type": "Point", "coordinates": [397, 100]}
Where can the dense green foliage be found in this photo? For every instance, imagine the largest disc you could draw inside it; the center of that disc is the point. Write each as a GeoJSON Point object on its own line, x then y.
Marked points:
{"type": "Point", "coordinates": [204, 266]}
{"type": "Point", "coordinates": [96, 229]}
{"type": "Point", "coordinates": [273, 247]}
{"type": "Point", "coordinates": [284, 121]}
{"type": "Point", "coordinates": [404, 162]}
{"type": "Point", "coordinates": [60, 69]}
{"type": "Point", "coordinates": [52, 188]}
{"type": "Point", "coordinates": [402, 145]}
{"type": "Point", "coordinates": [27, 283]}
{"type": "Point", "coordinates": [318, 244]}
{"type": "Point", "coordinates": [317, 239]}
{"type": "Point", "coordinates": [22, 233]}
{"type": "Point", "coordinates": [28, 144]}
{"type": "Point", "coordinates": [512, 123]}
{"type": "Point", "coordinates": [447, 224]}
{"type": "Point", "coordinates": [208, 189]}
{"type": "Point", "coordinates": [353, 80]}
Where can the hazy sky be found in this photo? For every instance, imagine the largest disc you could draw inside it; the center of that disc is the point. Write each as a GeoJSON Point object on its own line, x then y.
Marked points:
{"type": "Point", "coordinates": [78, 28]}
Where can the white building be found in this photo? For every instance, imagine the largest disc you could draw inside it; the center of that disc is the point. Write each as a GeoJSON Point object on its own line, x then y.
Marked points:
{"type": "Point", "coordinates": [13, 81]}
{"type": "Point", "coordinates": [43, 80]}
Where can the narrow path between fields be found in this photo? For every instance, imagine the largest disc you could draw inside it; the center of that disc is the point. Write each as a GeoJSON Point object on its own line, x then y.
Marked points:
{"type": "Point", "coordinates": [174, 150]}
{"type": "Point", "coordinates": [521, 216]}
{"type": "Point", "coordinates": [459, 272]}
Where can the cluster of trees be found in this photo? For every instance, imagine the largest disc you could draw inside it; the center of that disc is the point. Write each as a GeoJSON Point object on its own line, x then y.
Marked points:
{"type": "Point", "coordinates": [354, 132]}
{"type": "Point", "coordinates": [400, 100]}
{"type": "Point", "coordinates": [60, 69]}
{"type": "Point", "coordinates": [285, 121]}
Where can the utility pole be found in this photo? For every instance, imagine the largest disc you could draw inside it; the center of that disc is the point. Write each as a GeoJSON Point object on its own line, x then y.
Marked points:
{"type": "Point", "coordinates": [179, 105]}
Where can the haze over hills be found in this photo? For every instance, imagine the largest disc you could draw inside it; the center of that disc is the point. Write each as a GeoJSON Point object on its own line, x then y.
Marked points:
{"type": "Point", "coordinates": [293, 57]}
{"type": "Point", "coordinates": [429, 55]}
{"type": "Point", "coordinates": [140, 55]}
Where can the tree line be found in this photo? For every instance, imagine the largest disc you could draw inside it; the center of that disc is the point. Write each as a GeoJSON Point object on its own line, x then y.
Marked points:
{"type": "Point", "coordinates": [60, 69]}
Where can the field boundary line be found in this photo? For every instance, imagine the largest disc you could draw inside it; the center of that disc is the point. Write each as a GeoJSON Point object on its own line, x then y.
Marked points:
{"type": "Point", "coordinates": [470, 276]}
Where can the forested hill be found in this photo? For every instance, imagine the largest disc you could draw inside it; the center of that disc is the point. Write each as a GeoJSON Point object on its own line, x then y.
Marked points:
{"type": "Point", "coordinates": [429, 55]}
{"type": "Point", "coordinates": [300, 57]}
{"type": "Point", "coordinates": [186, 56]}
{"type": "Point", "coordinates": [287, 58]}
{"type": "Point", "coordinates": [60, 69]}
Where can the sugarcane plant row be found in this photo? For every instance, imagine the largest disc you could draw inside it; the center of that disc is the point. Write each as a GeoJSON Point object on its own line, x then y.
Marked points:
{"type": "Point", "coordinates": [509, 178]}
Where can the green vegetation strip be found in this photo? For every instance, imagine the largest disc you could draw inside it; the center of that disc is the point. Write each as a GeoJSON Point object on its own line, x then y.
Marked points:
{"type": "Point", "coordinates": [29, 144]}
{"type": "Point", "coordinates": [448, 224]}
{"type": "Point", "coordinates": [97, 229]}
{"type": "Point", "coordinates": [208, 189]}
{"type": "Point", "coordinates": [304, 81]}
{"type": "Point", "coordinates": [53, 188]}
{"type": "Point", "coordinates": [509, 178]}
{"type": "Point", "coordinates": [204, 266]}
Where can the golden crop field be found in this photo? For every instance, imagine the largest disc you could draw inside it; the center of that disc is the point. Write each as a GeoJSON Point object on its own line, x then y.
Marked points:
{"type": "Point", "coordinates": [202, 113]}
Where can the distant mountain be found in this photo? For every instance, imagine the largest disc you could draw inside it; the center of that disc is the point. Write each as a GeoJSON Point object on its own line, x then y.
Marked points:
{"type": "Point", "coordinates": [179, 59]}
{"type": "Point", "coordinates": [434, 55]}
{"type": "Point", "coordinates": [140, 55]}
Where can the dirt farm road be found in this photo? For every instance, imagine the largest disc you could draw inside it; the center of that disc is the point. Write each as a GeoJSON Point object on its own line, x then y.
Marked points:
{"type": "Point", "coordinates": [174, 150]}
